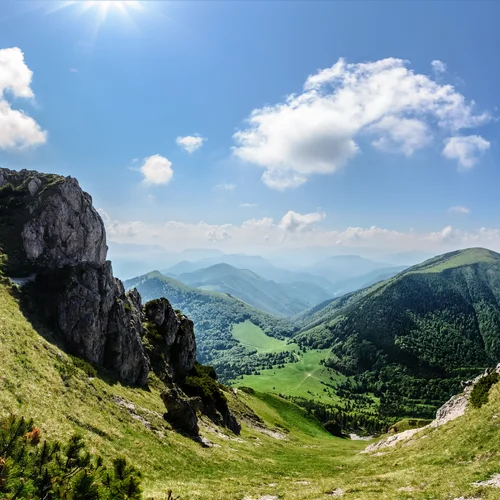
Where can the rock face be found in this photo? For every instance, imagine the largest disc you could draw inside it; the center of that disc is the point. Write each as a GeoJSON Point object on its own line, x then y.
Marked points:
{"type": "Point", "coordinates": [49, 230]}
{"type": "Point", "coordinates": [50, 223]}
{"type": "Point", "coordinates": [172, 336]}
{"type": "Point", "coordinates": [49, 227]}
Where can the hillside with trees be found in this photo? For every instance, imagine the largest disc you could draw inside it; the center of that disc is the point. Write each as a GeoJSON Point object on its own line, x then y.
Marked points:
{"type": "Point", "coordinates": [412, 338]}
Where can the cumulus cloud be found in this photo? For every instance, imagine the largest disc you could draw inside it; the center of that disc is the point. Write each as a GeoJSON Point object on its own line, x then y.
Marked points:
{"type": "Point", "coordinates": [317, 131]}
{"type": "Point", "coordinates": [438, 67]}
{"type": "Point", "coordinates": [157, 170]}
{"type": "Point", "coordinates": [225, 187]}
{"type": "Point", "coordinates": [17, 129]}
{"type": "Point", "coordinates": [459, 209]}
{"type": "Point", "coordinates": [218, 236]}
{"type": "Point", "coordinates": [465, 149]}
{"type": "Point", "coordinates": [261, 235]}
{"type": "Point", "coordinates": [190, 143]}
{"type": "Point", "coordinates": [293, 221]}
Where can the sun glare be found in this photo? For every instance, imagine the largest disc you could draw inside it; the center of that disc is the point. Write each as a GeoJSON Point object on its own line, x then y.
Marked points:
{"type": "Point", "coordinates": [100, 10]}
{"type": "Point", "coordinates": [103, 6]}
{"type": "Point", "coordinates": [106, 5]}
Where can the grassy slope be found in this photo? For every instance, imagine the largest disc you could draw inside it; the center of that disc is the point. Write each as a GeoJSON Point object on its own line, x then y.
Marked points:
{"type": "Point", "coordinates": [31, 385]}
{"type": "Point", "coordinates": [253, 337]}
{"type": "Point", "coordinates": [306, 466]}
{"type": "Point", "coordinates": [457, 259]}
{"type": "Point", "coordinates": [419, 295]}
{"type": "Point", "coordinates": [323, 312]}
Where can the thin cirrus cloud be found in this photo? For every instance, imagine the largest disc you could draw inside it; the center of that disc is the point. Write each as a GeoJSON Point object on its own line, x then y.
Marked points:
{"type": "Point", "coordinates": [157, 170]}
{"type": "Point", "coordinates": [226, 186]}
{"type": "Point", "coordinates": [190, 143]}
{"type": "Point", "coordinates": [248, 205]}
{"type": "Point", "coordinates": [467, 150]}
{"type": "Point", "coordinates": [317, 131]}
{"type": "Point", "coordinates": [17, 129]}
{"type": "Point", "coordinates": [459, 209]}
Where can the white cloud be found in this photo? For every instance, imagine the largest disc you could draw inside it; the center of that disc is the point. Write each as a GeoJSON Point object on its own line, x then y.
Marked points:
{"type": "Point", "coordinates": [157, 170]}
{"type": "Point", "coordinates": [249, 205]}
{"type": "Point", "coordinates": [225, 187]}
{"type": "Point", "coordinates": [293, 221]}
{"type": "Point", "coordinates": [17, 130]}
{"type": "Point", "coordinates": [401, 135]}
{"type": "Point", "coordinates": [316, 131]}
{"type": "Point", "coordinates": [466, 149]}
{"type": "Point", "coordinates": [218, 236]}
{"type": "Point", "coordinates": [262, 235]}
{"type": "Point", "coordinates": [459, 209]}
{"type": "Point", "coordinates": [190, 143]}
{"type": "Point", "coordinates": [438, 67]}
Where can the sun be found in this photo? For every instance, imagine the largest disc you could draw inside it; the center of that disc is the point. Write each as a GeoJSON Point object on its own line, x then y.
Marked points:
{"type": "Point", "coordinates": [103, 7]}
{"type": "Point", "coordinates": [106, 5]}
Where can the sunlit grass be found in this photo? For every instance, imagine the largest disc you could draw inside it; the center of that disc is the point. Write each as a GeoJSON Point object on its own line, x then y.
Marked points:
{"type": "Point", "coordinates": [308, 464]}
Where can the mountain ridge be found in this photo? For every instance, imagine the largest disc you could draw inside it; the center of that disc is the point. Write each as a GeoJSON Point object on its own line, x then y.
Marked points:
{"type": "Point", "coordinates": [280, 299]}
{"type": "Point", "coordinates": [433, 321]}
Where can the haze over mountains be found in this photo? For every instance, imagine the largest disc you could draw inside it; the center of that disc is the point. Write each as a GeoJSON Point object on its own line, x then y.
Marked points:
{"type": "Point", "coordinates": [337, 274]}
{"type": "Point", "coordinates": [280, 299]}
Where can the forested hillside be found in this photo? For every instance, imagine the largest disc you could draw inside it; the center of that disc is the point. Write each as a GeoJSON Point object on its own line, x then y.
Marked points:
{"type": "Point", "coordinates": [214, 315]}
{"type": "Point", "coordinates": [411, 338]}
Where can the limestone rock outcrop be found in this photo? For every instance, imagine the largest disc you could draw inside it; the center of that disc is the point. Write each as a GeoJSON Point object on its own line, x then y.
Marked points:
{"type": "Point", "coordinates": [181, 410]}
{"type": "Point", "coordinates": [50, 222]}
{"type": "Point", "coordinates": [172, 337]}
{"type": "Point", "coordinates": [454, 408]}
{"type": "Point", "coordinates": [54, 242]}
{"type": "Point", "coordinates": [49, 228]}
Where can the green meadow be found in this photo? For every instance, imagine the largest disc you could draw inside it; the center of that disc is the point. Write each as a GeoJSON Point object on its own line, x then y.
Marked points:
{"type": "Point", "coordinates": [253, 337]}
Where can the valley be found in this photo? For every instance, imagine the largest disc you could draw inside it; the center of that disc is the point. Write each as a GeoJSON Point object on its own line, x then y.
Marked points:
{"type": "Point", "coordinates": [128, 374]}
{"type": "Point", "coordinates": [249, 250]}
{"type": "Point", "coordinates": [305, 463]}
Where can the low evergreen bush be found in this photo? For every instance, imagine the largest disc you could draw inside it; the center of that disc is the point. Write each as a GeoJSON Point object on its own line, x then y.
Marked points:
{"type": "Point", "coordinates": [38, 469]}
{"type": "Point", "coordinates": [480, 392]}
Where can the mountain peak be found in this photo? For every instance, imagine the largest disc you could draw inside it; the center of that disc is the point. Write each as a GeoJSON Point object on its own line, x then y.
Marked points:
{"type": "Point", "coordinates": [458, 258]}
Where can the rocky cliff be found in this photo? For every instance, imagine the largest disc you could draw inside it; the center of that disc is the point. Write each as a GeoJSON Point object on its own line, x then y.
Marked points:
{"type": "Point", "coordinates": [51, 234]}
{"type": "Point", "coordinates": [50, 230]}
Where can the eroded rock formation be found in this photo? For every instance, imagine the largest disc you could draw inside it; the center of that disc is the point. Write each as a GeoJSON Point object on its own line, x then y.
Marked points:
{"type": "Point", "coordinates": [50, 231]}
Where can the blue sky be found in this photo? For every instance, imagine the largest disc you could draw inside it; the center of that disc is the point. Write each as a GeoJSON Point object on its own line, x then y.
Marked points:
{"type": "Point", "coordinates": [337, 164]}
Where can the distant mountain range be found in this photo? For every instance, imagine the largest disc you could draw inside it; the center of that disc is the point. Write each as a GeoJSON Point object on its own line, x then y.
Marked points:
{"type": "Point", "coordinates": [344, 267]}
{"type": "Point", "coordinates": [335, 275]}
{"type": "Point", "coordinates": [280, 299]}
{"type": "Point", "coordinates": [254, 263]}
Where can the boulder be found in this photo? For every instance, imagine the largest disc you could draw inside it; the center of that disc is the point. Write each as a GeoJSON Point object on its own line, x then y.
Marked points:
{"type": "Point", "coordinates": [181, 410]}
